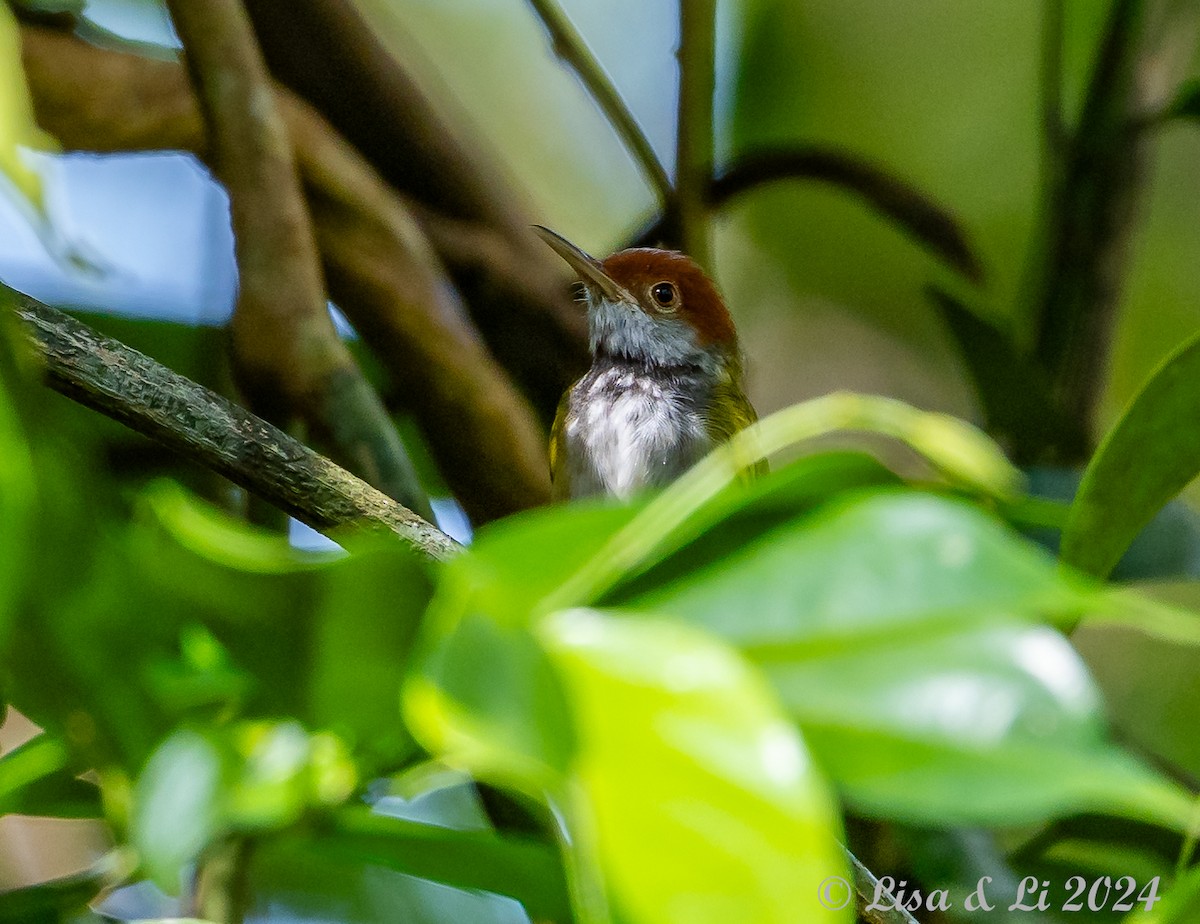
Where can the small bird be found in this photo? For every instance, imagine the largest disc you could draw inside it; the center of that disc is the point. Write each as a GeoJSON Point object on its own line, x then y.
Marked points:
{"type": "Point", "coordinates": [665, 385]}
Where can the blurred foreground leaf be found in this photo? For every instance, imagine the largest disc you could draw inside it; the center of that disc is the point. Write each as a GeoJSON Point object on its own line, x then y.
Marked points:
{"type": "Point", "coordinates": [524, 869]}
{"type": "Point", "coordinates": [255, 778]}
{"type": "Point", "coordinates": [18, 129]}
{"type": "Point", "coordinates": [685, 789]}
{"type": "Point", "coordinates": [35, 779]}
{"type": "Point", "coordinates": [52, 902]}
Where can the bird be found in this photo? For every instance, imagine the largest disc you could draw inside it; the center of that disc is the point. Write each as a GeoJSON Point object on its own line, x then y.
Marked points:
{"type": "Point", "coordinates": [666, 381]}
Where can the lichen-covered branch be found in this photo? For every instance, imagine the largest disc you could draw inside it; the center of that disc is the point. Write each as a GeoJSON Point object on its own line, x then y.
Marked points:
{"type": "Point", "coordinates": [132, 388]}
{"type": "Point", "coordinates": [288, 358]}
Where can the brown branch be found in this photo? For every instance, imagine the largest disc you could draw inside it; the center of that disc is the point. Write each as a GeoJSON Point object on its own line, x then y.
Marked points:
{"type": "Point", "coordinates": [327, 54]}
{"type": "Point", "coordinates": [324, 52]}
{"type": "Point", "coordinates": [287, 356]}
{"type": "Point", "coordinates": [1082, 252]}
{"type": "Point", "coordinates": [694, 149]}
{"type": "Point", "coordinates": [392, 286]}
{"type": "Point", "coordinates": [128, 386]}
{"type": "Point", "coordinates": [571, 49]}
{"type": "Point", "coordinates": [480, 430]}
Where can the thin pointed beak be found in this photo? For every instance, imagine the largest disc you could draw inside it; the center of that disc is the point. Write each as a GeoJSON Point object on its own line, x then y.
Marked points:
{"type": "Point", "coordinates": [589, 269]}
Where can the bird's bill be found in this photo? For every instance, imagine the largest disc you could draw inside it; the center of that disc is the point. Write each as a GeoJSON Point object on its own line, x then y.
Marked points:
{"type": "Point", "coordinates": [589, 269]}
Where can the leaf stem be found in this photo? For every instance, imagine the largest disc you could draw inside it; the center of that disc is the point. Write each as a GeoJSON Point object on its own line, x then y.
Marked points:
{"type": "Point", "coordinates": [694, 151]}
{"type": "Point", "coordinates": [573, 51]}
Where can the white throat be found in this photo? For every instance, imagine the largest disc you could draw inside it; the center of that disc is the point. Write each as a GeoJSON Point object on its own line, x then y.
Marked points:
{"type": "Point", "coordinates": [625, 331]}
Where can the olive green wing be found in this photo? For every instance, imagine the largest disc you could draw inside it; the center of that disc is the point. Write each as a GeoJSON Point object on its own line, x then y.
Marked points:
{"type": "Point", "coordinates": [729, 412]}
{"type": "Point", "coordinates": [560, 479]}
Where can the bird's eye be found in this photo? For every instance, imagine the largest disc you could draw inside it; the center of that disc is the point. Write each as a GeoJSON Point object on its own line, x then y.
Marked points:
{"type": "Point", "coordinates": [665, 294]}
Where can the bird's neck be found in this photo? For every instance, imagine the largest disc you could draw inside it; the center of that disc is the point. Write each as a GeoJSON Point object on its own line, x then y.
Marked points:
{"type": "Point", "coordinates": [621, 335]}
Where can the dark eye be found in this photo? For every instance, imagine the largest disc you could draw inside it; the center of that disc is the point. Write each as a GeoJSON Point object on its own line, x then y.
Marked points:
{"type": "Point", "coordinates": [665, 294]}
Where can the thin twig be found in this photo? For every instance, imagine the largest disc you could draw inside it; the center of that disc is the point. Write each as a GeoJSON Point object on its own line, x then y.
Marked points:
{"type": "Point", "coordinates": [126, 385]}
{"type": "Point", "coordinates": [694, 152]}
{"type": "Point", "coordinates": [573, 51]}
{"type": "Point", "coordinates": [288, 358]}
{"type": "Point", "coordinates": [908, 207]}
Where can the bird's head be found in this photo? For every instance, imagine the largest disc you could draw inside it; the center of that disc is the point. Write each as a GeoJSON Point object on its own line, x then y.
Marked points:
{"type": "Point", "coordinates": [652, 306]}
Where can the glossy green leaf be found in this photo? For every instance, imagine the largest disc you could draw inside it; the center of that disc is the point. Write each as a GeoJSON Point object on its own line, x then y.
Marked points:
{"type": "Point", "coordinates": [686, 787]}
{"type": "Point", "coordinates": [701, 799]}
{"type": "Point", "coordinates": [1147, 458]}
{"type": "Point", "coordinates": [869, 563]}
{"type": "Point", "coordinates": [901, 632]}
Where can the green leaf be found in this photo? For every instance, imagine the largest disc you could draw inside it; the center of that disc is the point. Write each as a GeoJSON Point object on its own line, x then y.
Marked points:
{"type": "Point", "coordinates": [18, 129]}
{"type": "Point", "coordinates": [35, 779]}
{"type": "Point", "coordinates": [201, 785]}
{"type": "Point", "coordinates": [1151, 683]}
{"type": "Point", "coordinates": [686, 792]}
{"type": "Point", "coordinates": [1147, 458]}
{"type": "Point", "coordinates": [50, 902]}
{"type": "Point", "coordinates": [518, 561]}
{"type": "Point", "coordinates": [177, 805]}
{"type": "Point", "coordinates": [902, 632]}
{"type": "Point", "coordinates": [486, 697]}
{"type": "Point", "coordinates": [529, 871]}
{"type": "Point", "coordinates": [866, 564]}
{"type": "Point", "coordinates": [701, 799]}
{"type": "Point", "coordinates": [342, 627]}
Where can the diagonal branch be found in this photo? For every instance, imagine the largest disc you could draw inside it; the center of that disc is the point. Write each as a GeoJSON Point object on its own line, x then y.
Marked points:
{"type": "Point", "coordinates": [128, 386]}
{"type": "Point", "coordinates": [288, 358]}
{"type": "Point", "coordinates": [573, 51]}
